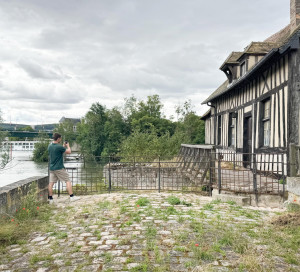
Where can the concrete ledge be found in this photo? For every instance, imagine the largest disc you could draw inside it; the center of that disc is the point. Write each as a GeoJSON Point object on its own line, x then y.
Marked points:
{"type": "Point", "coordinates": [240, 200]}
{"type": "Point", "coordinates": [271, 201]}
{"type": "Point", "coordinates": [293, 188]}
{"type": "Point", "coordinates": [11, 195]}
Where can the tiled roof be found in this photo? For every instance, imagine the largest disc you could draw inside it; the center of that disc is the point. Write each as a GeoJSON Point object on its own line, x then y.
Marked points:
{"type": "Point", "coordinates": [260, 47]}
{"type": "Point", "coordinates": [73, 120]}
{"type": "Point", "coordinates": [217, 92]}
{"type": "Point", "coordinates": [279, 40]}
{"type": "Point", "coordinates": [232, 58]}
{"type": "Point", "coordinates": [281, 35]}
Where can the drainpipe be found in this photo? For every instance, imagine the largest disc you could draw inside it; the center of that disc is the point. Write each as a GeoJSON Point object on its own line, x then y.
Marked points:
{"type": "Point", "coordinates": [215, 122]}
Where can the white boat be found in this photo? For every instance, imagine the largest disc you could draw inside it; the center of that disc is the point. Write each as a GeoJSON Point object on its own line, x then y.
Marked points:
{"type": "Point", "coordinates": [19, 145]}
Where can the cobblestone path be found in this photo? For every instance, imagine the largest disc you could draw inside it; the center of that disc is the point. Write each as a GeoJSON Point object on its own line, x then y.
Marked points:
{"type": "Point", "coordinates": [112, 232]}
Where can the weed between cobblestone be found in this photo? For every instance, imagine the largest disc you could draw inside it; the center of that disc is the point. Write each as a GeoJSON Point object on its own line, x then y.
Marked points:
{"type": "Point", "coordinates": [149, 232]}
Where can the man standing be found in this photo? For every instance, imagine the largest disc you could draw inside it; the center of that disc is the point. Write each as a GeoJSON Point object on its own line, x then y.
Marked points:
{"type": "Point", "coordinates": [57, 169]}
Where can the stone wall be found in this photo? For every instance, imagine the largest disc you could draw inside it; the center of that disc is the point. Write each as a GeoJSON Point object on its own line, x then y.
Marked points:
{"type": "Point", "coordinates": [11, 195]}
{"type": "Point", "coordinates": [293, 187]}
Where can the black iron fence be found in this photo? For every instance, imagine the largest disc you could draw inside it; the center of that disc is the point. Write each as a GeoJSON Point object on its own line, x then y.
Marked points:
{"type": "Point", "coordinates": [201, 170]}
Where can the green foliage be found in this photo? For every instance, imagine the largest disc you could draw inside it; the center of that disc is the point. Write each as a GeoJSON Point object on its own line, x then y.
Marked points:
{"type": "Point", "coordinates": [15, 228]}
{"type": "Point", "coordinates": [27, 128]}
{"type": "Point", "coordinates": [190, 123]}
{"type": "Point", "coordinates": [173, 200]}
{"type": "Point", "coordinates": [150, 145]}
{"type": "Point", "coordinates": [140, 129]}
{"type": "Point", "coordinates": [143, 201]}
{"type": "Point", "coordinates": [193, 128]}
{"type": "Point", "coordinates": [147, 124]}
{"type": "Point", "coordinates": [66, 130]}
{"type": "Point", "coordinates": [40, 152]}
{"type": "Point", "coordinates": [116, 129]}
{"type": "Point", "coordinates": [29, 206]}
{"type": "Point", "coordinates": [101, 131]}
{"type": "Point", "coordinates": [92, 136]}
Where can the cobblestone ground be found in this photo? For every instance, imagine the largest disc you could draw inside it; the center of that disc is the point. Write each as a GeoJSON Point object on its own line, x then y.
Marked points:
{"type": "Point", "coordinates": [111, 232]}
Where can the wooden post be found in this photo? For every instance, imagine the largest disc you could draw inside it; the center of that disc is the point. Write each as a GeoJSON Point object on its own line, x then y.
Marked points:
{"type": "Point", "coordinates": [109, 175]}
{"type": "Point", "coordinates": [293, 160]}
{"type": "Point", "coordinates": [283, 177]}
{"type": "Point", "coordinates": [219, 173]}
{"type": "Point", "coordinates": [159, 174]}
{"type": "Point", "coordinates": [211, 170]}
{"type": "Point", "coordinates": [255, 179]}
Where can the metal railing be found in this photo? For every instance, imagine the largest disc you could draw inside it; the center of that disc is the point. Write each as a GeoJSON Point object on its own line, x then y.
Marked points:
{"type": "Point", "coordinates": [257, 174]}
{"type": "Point", "coordinates": [196, 171]}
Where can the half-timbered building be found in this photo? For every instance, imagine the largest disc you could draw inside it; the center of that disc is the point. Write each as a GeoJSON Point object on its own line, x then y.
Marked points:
{"type": "Point", "coordinates": [256, 110]}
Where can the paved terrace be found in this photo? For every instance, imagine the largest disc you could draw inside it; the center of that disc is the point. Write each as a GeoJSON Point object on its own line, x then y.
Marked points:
{"type": "Point", "coordinates": [111, 232]}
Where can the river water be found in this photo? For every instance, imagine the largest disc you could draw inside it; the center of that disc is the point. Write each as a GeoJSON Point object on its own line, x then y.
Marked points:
{"type": "Point", "coordinates": [21, 167]}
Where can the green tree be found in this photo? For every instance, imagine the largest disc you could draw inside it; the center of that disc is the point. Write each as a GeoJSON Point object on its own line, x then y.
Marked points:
{"type": "Point", "coordinates": [27, 128]}
{"type": "Point", "coordinates": [144, 116]}
{"type": "Point", "coordinates": [194, 128]}
{"type": "Point", "coordinates": [91, 132]}
{"type": "Point", "coordinates": [148, 123]}
{"type": "Point", "coordinates": [116, 129]}
{"type": "Point", "coordinates": [190, 124]}
{"type": "Point", "coordinates": [66, 130]}
{"type": "Point", "coordinates": [183, 110]}
{"type": "Point", "coordinates": [150, 145]}
{"type": "Point", "coordinates": [40, 152]}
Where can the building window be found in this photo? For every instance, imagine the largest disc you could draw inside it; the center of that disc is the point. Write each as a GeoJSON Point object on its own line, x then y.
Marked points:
{"type": "Point", "coordinates": [232, 129]}
{"type": "Point", "coordinates": [219, 129]}
{"type": "Point", "coordinates": [266, 109]}
{"type": "Point", "coordinates": [243, 68]}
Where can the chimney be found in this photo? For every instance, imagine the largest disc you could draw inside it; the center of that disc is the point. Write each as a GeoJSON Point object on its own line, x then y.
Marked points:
{"type": "Point", "coordinates": [294, 14]}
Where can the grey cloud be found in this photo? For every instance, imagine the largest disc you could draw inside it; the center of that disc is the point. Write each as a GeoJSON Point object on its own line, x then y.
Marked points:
{"type": "Point", "coordinates": [172, 47]}
{"type": "Point", "coordinates": [35, 70]}
{"type": "Point", "coordinates": [41, 94]}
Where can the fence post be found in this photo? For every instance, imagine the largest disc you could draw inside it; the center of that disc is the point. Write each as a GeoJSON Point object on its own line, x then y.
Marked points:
{"type": "Point", "coordinates": [210, 172]}
{"type": "Point", "coordinates": [293, 160]}
{"type": "Point", "coordinates": [283, 177]}
{"type": "Point", "coordinates": [159, 174]}
{"type": "Point", "coordinates": [58, 189]}
{"type": "Point", "coordinates": [109, 175]}
{"type": "Point", "coordinates": [219, 173]}
{"type": "Point", "coordinates": [255, 178]}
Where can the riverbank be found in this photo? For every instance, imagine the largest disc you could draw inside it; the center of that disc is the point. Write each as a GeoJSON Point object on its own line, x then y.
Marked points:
{"type": "Point", "coordinates": [21, 167]}
{"type": "Point", "coordinates": [155, 232]}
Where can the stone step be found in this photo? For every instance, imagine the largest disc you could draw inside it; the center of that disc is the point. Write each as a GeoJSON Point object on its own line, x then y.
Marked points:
{"type": "Point", "coordinates": [239, 200]}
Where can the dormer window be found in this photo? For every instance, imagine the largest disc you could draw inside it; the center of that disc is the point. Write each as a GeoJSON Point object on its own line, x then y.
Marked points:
{"type": "Point", "coordinates": [243, 68]}
{"type": "Point", "coordinates": [229, 75]}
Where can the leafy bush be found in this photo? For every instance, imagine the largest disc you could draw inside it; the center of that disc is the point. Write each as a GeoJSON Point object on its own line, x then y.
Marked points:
{"type": "Point", "coordinates": [173, 200]}
{"type": "Point", "coordinates": [143, 201]}
{"type": "Point", "coordinates": [40, 152]}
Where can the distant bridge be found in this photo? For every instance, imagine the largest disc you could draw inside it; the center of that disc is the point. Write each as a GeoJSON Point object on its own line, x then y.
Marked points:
{"type": "Point", "coordinates": [28, 134]}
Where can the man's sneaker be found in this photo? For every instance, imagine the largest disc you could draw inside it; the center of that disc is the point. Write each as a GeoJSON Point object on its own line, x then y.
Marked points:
{"type": "Point", "coordinates": [74, 198]}
{"type": "Point", "coordinates": [51, 201]}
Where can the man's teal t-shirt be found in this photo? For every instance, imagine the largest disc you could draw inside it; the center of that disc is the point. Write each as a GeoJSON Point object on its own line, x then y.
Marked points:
{"type": "Point", "coordinates": [56, 152]}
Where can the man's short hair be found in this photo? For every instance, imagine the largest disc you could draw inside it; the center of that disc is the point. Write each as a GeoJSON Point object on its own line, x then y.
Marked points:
{"type": "Point", "coordinates": [56, 136]}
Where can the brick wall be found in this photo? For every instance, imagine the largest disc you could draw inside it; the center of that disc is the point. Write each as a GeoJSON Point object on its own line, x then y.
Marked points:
{"type": "Point", "coordinates": [294, 14]}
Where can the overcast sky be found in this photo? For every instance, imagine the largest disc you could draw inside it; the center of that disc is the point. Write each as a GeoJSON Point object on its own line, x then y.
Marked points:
{"type": "Point", "coordinates": [57, 57]}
